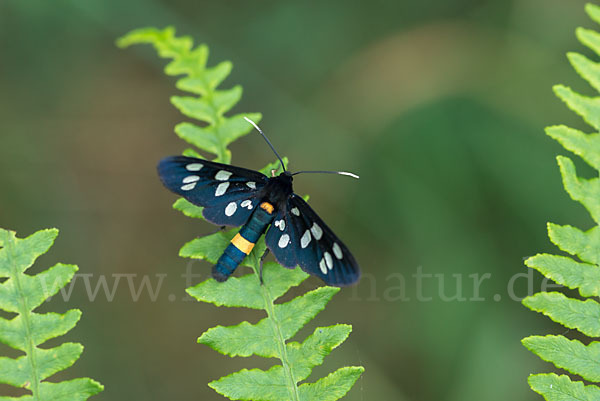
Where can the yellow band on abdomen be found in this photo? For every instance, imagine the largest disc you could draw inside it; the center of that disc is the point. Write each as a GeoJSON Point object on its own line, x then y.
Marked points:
{"type": "Point", "coordinates": [242, 244]}
{"type": "Point", "coordinates": [267, 207]}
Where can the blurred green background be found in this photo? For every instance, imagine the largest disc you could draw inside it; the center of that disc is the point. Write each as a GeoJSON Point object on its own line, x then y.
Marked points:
{"type": "Point", "coordinates": [438, 105]}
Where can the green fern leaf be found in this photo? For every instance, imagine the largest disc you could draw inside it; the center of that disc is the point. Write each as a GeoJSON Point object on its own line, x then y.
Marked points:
{"type": "Point", "coordinates": [588, 108]}
{"type": "Point", "coordinates": [586, 192]}
{"type": "Point", "coordinates": [20, 294]}
{"type": "Point", "coordinates": [582, 274]}
{"type": "Point", "coordinates": [244, 291]}
{"type": "Point", "coordinates": [578, 143]}
{"type": "Point", "coordinates": [188, 209]}
{"type": "Point", "coordinates": [576, 242]}
{"type": "Point", "coordinates": [313, 350]}
{"type": "Point", "coordinates": [332, 387]}
{"type": "Point", "coordinates": [565, 271]}
{"type": "Point", "coordinates": [561, 388]}
{"type": "Point", "coordinates": [567, 354]}
{"type": "Point", "coordinates": [572, 313]}
{"type": "Point", "coordinates": [271, 336]}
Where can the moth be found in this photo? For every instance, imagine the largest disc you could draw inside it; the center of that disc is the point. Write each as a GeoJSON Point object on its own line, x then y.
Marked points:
{"type": "Point", "coordinates": [236, 196]}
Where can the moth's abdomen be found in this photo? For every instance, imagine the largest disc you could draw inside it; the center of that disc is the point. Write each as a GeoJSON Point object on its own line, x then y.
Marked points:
{"type": "Point", "coordinates": [243, 242]}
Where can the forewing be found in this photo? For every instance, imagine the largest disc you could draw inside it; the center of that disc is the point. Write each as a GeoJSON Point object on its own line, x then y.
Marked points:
{"type": "Point", "coordinates": [281, 240]}
{"type": "Point", "coordinates": [318, 250]}
{"type": "Point", "coordinates": [227, 193]}
{"type": "Point", "coordinates": [233, 213]}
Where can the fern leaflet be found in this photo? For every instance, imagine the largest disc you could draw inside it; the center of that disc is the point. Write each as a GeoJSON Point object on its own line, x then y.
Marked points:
{"type": "Point", "coordinates": [20, 294]}
{"type": "Point", "coordinates": [268, 338]}
{"type": "Point", "coordinates": [582, 274]}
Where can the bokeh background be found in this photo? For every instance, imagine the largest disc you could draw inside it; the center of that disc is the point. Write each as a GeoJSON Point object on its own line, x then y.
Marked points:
{"type": "Point", "coordinates": [438, 105]}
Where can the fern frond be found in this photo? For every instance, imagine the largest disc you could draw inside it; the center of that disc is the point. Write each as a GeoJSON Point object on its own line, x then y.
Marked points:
{"type": "Point", "coordinates": [210, 104]}
{"type": "Point", "coordinates": [20, 294]}
{"type": "Point", "coordinates": [582, 274]}
{"type": "Point", "coordinates": [270, 337]}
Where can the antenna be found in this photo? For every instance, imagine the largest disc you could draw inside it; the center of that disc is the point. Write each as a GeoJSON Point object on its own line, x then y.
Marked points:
{"type": "Point", "coordinates": [330, 172]}
{"type": "Point", "coordinates": [266, 139]}
{"type": "Point", "coordinates": [281, 161]}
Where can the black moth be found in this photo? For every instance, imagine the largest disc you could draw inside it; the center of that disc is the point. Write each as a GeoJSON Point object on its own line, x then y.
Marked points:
{"type": "Point", "coordinates": [235, 196]}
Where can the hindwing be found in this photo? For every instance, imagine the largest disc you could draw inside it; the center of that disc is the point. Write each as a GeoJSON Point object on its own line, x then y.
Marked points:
{"type": "Point", "coordinates": [312, 245]}
{"type": "Point", "coordinates": [281, 239]}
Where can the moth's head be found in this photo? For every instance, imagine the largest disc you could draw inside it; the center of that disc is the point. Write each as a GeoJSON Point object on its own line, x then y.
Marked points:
{"type": "Point", "coordinates": [285, 174]}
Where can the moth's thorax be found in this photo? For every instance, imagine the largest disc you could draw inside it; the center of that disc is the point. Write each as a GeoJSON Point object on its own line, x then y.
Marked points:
{"type": "Point", "coordinates": [278, 189]}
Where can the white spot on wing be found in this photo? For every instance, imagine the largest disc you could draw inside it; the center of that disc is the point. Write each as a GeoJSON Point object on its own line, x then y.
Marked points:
{"type": "Point", "coordinates": [221, 188]}
{"type": "Point", "coordinates": [247, 204]}
{"type": "Point", "coordinates": [194, 167]}
{"type": "Point", "coordinates": [251, 184]}
{"type": "Point", "coordinates": [328, 260]}
{"type": "Point", "coordinates": [296, 211]}
{"type": "Point", "coordinates": [230, 209]}
{"type": "Point", "coordinates": [316, 231]}
{"type": "Point", "coordinates": [188, 187]}
{"type": "Point", "coordinates": [337, 251]}
{"type": "Point", "coordinates": [222, 175]}
{"type": "Point", "coordinates": [284, 240]}
{"type": "Point", "coordinates": [190, 178]}
{"type": "Point", "coordinates": [280, 224]}
{"type": "Point", "coordinates": [305, 240]}
{"type": "Point", "coordinates": [322, 266]}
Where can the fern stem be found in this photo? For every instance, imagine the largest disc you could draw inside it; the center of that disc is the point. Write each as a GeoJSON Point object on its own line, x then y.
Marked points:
{"type": "Point", "coordinates": [222, 149]}
{"type": "Point", "coordinates": [292, 387]}
{"type": "Point", "coordinates": [24, 312]}
{"type": "Point", "coordinates": [209, 97]}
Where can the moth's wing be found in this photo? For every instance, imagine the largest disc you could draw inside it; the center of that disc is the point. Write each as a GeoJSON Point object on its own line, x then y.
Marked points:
{"type": "Point", "coordinates": [235, 212]}
{"type": "Point", "coordinates": [206, 183]}
{"type": "Point", "coordinates": [318, 250]}
{"type": "Point", "coordinates": [281, 240]}
{"type": "Point", "coordinates": [228, 194]}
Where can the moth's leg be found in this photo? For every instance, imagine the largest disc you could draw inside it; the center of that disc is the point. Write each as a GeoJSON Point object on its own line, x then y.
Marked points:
{"type": "Point", "coordinates": [262, 259]}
